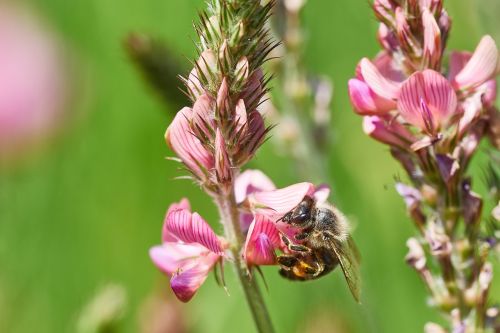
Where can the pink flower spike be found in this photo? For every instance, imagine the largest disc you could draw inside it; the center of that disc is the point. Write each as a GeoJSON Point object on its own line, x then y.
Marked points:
{"type": "Point", "coordinates": [192, 228]}
{"type": "Point", "coordinates": [481, 67]}
{"type": "Point", "coordinates": [262, 240]}
{"type": "Point", "coordinates": [427, 101]}
{"type": "Point", "coordinates": [276, 203]}
{"type": "Point", "coordinates": [251, 181]}
{"type": "Point", "coordinates": [365, 101]}
{"type": "Point", "coordinates": [377, 82]}
{"type": "Point", "coordinates": [189, 149]}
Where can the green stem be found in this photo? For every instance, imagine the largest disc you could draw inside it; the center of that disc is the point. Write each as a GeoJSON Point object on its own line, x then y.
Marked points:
{"type": "Point", "coordinates": [230, 217]}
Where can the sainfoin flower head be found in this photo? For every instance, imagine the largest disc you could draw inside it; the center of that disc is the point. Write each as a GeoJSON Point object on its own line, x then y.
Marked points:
{"type": "Point", "coordinates": [189, 251]}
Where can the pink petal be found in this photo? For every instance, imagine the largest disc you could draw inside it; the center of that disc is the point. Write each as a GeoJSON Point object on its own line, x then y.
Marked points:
{"type": "Point", "coordinates": [458, 60]}
{"type": "Point", "coordinates": [170, 257]}
{"type": "Point", "coordinates": [322, 193]}
{"type": "Point", "coordinates": [386, 65]}
{"type": "Point", "coordinates": [276, 203]}
{"type": "Point", "coordinates": [427, 100]}
{"type": "Point", "coordinates": [391, 133]}
{"type": "Point", "coordinates": [251, 181]}
{"type": "Point", "coordinates": [262, 240]}
{"type": "Point", "coordinates": [186, 282]}
{"type": "Point", "coordinates": [481, 67]}
{"type": "Point", "coordinates": [182, 205]}
{"type": "Point", "coordinates": [191, 228]}
{"type": "Point", "coordinates": [382, 86]}
{"type": "Point", "coordinates": [186, 145]}
{"type": "Point", "coordinates": [253, 90]}
{"type": "Point", "coordinates": [365, 101]}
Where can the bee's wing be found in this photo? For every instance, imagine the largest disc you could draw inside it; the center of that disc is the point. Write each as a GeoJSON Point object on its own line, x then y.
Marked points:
{"type": "Point", "coordinates": [348, 255]}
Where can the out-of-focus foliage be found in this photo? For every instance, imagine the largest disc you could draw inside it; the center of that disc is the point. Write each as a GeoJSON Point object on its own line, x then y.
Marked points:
{"type": "Point", "coordinates": [86, 211]}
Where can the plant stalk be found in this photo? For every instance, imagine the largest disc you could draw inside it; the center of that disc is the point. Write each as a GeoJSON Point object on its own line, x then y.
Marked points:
{"type": "Point", "coordinates": [229, 214]}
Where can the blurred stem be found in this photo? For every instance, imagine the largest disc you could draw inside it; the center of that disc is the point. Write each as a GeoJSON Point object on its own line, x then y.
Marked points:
{"type": "Point", "coordinates": [230, 216]}
{"type": "Point", "coordinates": [310, 143]}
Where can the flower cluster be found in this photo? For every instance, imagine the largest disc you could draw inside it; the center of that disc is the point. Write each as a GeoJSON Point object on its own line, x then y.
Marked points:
{"type": "Point", "coordinates": [433, 117]}
{"type": "Point", "coordinates": [190, 248]}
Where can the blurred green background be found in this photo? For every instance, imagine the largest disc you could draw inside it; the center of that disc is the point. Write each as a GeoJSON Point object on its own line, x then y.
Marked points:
{"type": "Point", "coordinates": [85, 211]}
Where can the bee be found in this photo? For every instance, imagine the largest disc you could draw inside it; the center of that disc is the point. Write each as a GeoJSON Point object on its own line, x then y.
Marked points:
{"type": "Point", "coordinates": [321, 244]}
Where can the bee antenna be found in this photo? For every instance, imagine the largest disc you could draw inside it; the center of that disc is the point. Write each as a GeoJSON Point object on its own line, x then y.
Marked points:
{"type": "Point", "coordinates": [262, 276]}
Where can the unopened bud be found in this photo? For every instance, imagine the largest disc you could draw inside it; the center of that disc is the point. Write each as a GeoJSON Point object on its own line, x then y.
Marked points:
{"type": "Point", "coordinates": [432, 41]}
{"type": "Point", "coordinates": [241, 73]}
{"type": "Point", "coordinates": [222, 163]}
{"type": "Point", "coordinates": [225, 58]}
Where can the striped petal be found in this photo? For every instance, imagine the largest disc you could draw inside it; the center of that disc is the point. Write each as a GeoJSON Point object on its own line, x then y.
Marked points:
{"type": "Point", "coordinates": [262, 240]}
{"type": "Point", "coordinates": [192, 228]}
{"type": "Point", "coordinates": [427, 101]}
{"type": "Point", "coordinates": [481, 67]}
{"type": "Point", "coordinates": [189, 149]}
{"type": "Point", "coordinates": [181, 205]}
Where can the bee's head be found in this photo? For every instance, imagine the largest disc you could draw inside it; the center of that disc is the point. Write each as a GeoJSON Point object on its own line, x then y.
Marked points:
{"type": "Point", "coordinates": [301, 214]}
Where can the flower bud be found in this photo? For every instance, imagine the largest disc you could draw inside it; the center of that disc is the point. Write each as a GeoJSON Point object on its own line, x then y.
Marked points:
{"type": "Point", "coordinates": [241, 73]}
{"type": "Point", "coordinates": [223, 168]}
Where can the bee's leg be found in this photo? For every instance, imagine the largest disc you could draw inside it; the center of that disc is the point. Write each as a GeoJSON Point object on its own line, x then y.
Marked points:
{"type": "Point", "coordinates": [320, 266]}
{"type": "Point", "coordinates": [294, 247]}
{"type": "Point", "coordinates": [287, 261]}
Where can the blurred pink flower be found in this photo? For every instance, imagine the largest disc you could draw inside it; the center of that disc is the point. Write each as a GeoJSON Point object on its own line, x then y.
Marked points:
{"type": "Point", "coordinates": [189, 251]}
{"type": "Point", "coordinates": [32, 90]}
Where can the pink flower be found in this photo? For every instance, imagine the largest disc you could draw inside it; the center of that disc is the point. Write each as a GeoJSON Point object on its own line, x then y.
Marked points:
{"type": "Point", "coordinates": [32, 87]}
{"type": "Point", "coordinates": [427, 101]}
{"type": "Point", "coordinates": [267, 206]}
{"type": "Point", "coordinates": [189, 251]}
{"type": "Point", "coordinates": [262, 240]}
